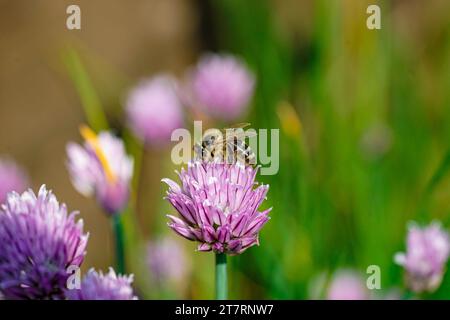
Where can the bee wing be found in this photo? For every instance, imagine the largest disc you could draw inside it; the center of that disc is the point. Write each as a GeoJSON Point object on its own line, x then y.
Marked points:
{"type": "Point", "coordinates": [238, 150]}
{"type": "Point", "coordinates": [239, 125]}
{"type": "Point", "coordinates": [239, 134]}
{"type": "Point", "coordinates": [237, 145]}
{"type": "Point", "coordinates": [233, 127]}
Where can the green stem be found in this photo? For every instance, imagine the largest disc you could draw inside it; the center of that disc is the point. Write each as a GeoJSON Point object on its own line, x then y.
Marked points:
{"type": "Point", "coordinates": [119, 243]}
{"type": "Point", "coordinates": [221, 276]}
{"type": "Point", "coordinates": [89, 98]}
{"type": "Point", "coordinates": [407, 295]}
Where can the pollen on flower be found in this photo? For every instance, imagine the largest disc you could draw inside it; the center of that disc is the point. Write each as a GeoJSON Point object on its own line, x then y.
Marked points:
{"type": "Point", "coordinates": [101, 167]}
{"type": "Point", "coordinates": [92, 139]}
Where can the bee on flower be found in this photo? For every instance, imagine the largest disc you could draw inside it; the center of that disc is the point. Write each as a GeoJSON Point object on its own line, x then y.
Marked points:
{"type": "Point", "coordinates": [218, 206]}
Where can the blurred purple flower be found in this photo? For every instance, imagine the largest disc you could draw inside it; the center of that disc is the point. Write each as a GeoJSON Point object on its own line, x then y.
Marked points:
{"type": "Point", "coordinates": [427, 253]}
{"type": "Point", "coordinates": [12, 178]}
{"type": "Point", "coordinates": [167, 261]}
{"type": "Point", "coordinates": [39, 241]}
{"type": "Point", "coordinates": [99, 286]}
{"type": "Point", "coordinates": [101, 167]}
{"type": "Point", "coordinates": [218, 206]}
{"type": "Point", "coordinates": [347, 285]}
{"type": "Point", "coordinates": [154, 110]}
{"type": "Point", "coordinates": [221, 86]}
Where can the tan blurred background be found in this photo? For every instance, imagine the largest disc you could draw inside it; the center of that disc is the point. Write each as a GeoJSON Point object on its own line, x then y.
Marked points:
{"type": "Point", "coordinates": [39, 107]}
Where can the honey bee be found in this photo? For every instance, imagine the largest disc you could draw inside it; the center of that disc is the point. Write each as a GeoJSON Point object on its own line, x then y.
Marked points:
{"type": "Point", "coordinates": [229, 142]}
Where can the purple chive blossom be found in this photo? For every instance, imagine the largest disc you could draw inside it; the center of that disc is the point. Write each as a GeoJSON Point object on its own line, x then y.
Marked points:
{"type": "Point", "coordinates": [12, 178]}
{"type": "Point", "coordinates": [154, 110]}
{"type": "Point", "coordinates": [347, 285]}
{"type": "Point", "coordinates": [102, 168]}
{"type": "Point", "coordinates": [218, 206]}
{"type": "Point", "coordinates": [221, 86]}
{"type": "Point", "coordinates": [426, 255]}
{"type": "Point", "coordinates": [167, 261]}
{"type": "Point", "coordinates": [39, 241]}
{"type": "Point", "coordinates": [99, 286]}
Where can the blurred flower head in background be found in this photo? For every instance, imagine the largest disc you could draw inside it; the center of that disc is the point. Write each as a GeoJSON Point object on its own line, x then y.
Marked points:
{"type": "Point", "coordinates": [12, 178]}
{"type": "Point", "coordinates": [98, 286]}
{"type": "Point", "coordinates": [39, 241]}
{"type": "Point", "coordinates": [154, 110]}
{"type": "Point", "coordinates": [376, 141]}
{"type": "Point", "coordinates": [426, 255]}
{"type": "Point", "coordinates": [221, 86]}
{"type": "Point", "coordinates": [218, 206]}
{"type": "Point", "coordinates": [347, 284]}
{"type": "Point", "coordinates": [168, 262]}
{"type": "Point", "coordinates": [101, 167]}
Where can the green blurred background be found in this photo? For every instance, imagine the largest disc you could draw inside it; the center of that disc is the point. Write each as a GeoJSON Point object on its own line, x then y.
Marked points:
{"type": "Point", "coordinates": [363, 115]}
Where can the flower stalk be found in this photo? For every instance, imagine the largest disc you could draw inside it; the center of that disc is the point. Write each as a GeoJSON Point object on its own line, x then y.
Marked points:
{"type": "Point", "coordinates": [221, 276]}
{"type": "Point", "coordinates": [119, 243]}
